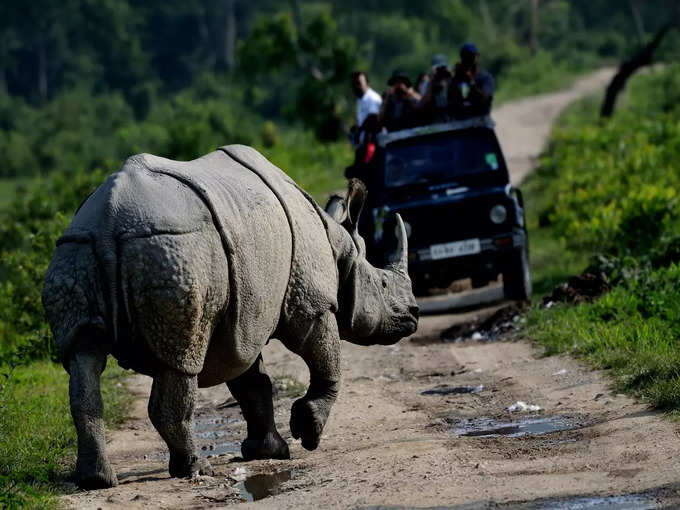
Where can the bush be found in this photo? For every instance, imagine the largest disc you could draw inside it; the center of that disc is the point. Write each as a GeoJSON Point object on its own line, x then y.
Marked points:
{"type": "Point", "coordinates": [608, 190]}
{"type": "Point", "coordinates": [29, 228]}
{"type": "Point", "coordinates": [612, 187]}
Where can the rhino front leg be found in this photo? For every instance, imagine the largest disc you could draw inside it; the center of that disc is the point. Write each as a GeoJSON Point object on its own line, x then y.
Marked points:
{"type": "Point", "coordinates": [171, 409]}
{"type": "Point", "coordinates": [321, 352]}
{"type": "Point", "coordinates": [253, 391]}
{"type": "Point", "coordinates": [93, 470]}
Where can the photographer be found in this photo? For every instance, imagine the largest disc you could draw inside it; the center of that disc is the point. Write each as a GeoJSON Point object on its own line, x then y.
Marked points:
{"type": "Point", "coordinates": [434, 106]}
{"type": "Point", "coordinates": [472, 89]}
{"type": "Point", "coordinates": [398, 109]}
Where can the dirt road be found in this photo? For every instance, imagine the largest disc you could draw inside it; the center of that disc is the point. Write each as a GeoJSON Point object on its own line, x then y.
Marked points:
{"type": "Point", "coordinates": [388, 445]}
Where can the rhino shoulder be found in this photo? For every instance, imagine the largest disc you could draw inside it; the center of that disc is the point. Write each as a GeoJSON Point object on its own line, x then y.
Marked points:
{"type": "Point", "coordinates": [313, 284]}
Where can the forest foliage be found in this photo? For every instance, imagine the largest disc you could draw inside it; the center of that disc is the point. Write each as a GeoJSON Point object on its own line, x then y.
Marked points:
{"type": "Point", "coordinates": [608, 190]}
{"type": "Point", "coordinates": [85, 83]}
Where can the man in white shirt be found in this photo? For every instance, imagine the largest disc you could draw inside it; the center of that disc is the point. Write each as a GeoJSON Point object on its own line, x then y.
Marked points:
{"type": "Point", "coordinates": [368, 100]}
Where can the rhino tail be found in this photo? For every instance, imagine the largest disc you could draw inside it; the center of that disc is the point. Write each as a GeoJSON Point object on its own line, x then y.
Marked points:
{"type": "Point", "coordinates": [107, 254]}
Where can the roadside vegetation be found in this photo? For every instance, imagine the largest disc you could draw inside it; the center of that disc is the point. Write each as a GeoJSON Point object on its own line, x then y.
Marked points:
{"type": "Point", "coordinates": [604, 200]}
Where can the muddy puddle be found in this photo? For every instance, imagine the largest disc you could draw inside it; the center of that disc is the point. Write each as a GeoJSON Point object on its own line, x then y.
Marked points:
{"type": "Point", "coordinates": [527, 426]}
{"type": "Point", "coordinates": [446, 389]}
{"type": "Point", "coordinates": [623, 502]}
{"type": "Point", "coordinates": [262, 486]}
{"type": "Point", "coordinates": [218, 435]}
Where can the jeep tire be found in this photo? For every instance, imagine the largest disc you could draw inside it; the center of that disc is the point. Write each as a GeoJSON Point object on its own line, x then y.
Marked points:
{"type": "Point", "coordinates": [517, 276]}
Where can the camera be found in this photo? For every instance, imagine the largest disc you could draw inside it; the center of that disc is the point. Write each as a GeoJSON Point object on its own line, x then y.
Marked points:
{"type": "Point", "coordinates": [442, 73]}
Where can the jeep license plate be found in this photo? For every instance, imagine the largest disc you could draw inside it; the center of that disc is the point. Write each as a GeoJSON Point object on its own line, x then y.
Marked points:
{"type": "Point", "coordinates": [455, 249]}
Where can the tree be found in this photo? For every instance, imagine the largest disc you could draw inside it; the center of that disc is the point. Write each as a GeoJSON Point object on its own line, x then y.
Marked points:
{"type": "Point", "coordinates": [314, 63]}
{"type": "Point", "coordinates": [642, 58]}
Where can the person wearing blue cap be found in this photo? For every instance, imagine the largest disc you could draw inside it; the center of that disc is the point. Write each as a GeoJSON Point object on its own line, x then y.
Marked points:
{"type": "Point", "coordinates": [434, 105]}
{"type": "Point", "coordinates": [472, 88]}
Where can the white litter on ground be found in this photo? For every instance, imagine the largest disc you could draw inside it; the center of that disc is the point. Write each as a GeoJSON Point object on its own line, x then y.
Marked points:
{"type": "Point", "coordinates": [561, 372]}
{"type": "Point", "coordinates": [520, 406]}
{"type": "Point", "coordinates": [477, 336]}
{"type": "Point", "coordinates": [239, 474]}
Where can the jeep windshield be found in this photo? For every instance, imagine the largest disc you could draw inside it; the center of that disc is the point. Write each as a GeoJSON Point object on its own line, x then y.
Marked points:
{"type": "Point", "coordinates": [470, 157]}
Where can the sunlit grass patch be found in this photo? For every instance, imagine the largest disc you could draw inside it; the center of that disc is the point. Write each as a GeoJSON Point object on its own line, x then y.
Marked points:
{"type": "Point", "coordinates": [37, 437]}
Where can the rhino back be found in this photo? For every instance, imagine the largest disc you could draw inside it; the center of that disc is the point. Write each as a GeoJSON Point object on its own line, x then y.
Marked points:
{"type": "Point", "coordinates": [155, 225]}
{"type": "Point", "coordinates": [257, 244]}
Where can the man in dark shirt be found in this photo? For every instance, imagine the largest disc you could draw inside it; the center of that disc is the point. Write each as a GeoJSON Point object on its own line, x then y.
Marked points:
{"type": "Point", "coordinates": [472, 89]}
{"type": "Point", "coordinates": [399, 107]}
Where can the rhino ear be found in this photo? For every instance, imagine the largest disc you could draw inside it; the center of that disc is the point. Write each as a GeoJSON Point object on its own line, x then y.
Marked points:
{"type": "Point", "coordinates": [357, 316]}
{"type": "Point", "coordinates": [356, 196]}
{"type": "Point", "coordinates": [337, 208]}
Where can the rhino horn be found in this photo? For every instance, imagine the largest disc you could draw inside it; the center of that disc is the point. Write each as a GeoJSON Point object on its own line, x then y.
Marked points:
{"type": "Point", "coordinates": [400, 255]}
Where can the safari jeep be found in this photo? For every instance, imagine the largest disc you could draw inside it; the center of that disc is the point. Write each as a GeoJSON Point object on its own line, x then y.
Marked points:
{"type": "Point", "coordinates": [450, 184]}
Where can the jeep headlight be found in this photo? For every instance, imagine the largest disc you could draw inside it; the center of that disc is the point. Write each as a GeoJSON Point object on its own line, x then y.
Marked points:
{"type": "Point", "coordinates": [498, 214]}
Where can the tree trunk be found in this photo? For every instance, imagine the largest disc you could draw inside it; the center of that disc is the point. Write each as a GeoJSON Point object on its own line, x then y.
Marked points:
{"type": "Point", "coordinates": [297, 14]}
{"type": "Point", "coordinates": [626, 70]}
{"type": "Point", "coordinates": [228, 57]}
{"type": "Point", "coordinates": [42, 63]}
{"type": "Point", "coordinates": [533, 34]}
{"type": "Point", "coordinates": [207, 42]}
{"type": "Point", "coordinates": [3, 80]}
{"type": "Point", "coordinates": [639, 26]}
{"type": "Point", "coordinates": [488, 22]}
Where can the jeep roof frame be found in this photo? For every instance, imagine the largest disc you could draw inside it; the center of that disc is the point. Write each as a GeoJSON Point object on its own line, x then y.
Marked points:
{"type": "Point", "coordinates": [485, 121]}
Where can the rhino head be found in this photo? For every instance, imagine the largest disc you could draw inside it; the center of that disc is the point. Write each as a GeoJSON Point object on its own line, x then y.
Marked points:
{"type": "Point", "coordinates": [376, 306]}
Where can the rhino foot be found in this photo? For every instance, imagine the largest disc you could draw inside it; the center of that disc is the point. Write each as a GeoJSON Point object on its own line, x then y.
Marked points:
{"type": "Point", "coordinates": [307, 419]}
{"type": "Point", "coordinates": [271, 447]}
{"type": "Point", "coordinates": [184, 466]}
{"type": "Point", "coordinates": [100, 477]}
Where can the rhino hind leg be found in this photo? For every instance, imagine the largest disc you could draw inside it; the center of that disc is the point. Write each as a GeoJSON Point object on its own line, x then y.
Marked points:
{"type": "Point", "coordinates": [93, 469]}
{"type": "Point", "coordinates": [253, 391]}
{"type": "Point", "coordinates": [171, 409]}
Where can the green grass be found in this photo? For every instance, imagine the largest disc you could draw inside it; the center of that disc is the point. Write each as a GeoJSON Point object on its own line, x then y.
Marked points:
{"type": "Point", "coordinates": [622, 333]}
{"type": "Point", "coordinates": [318, 168]}
{"type": "Point", "coordinates": [37, 437]}
{"type": "Point", "coordinates": [606, 190]}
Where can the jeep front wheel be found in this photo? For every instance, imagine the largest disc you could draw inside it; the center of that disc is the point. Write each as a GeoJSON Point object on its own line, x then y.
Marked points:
{"type": "Point", "coordinates": [517, 276]}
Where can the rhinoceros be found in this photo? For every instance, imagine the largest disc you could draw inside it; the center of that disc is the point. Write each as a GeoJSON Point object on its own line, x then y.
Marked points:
{"type": "Point", "coordinates": [183, 271]}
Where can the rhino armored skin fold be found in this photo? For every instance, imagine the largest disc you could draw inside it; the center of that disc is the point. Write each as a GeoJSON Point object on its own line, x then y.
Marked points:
{"type": "Point", "coordinates": [184, 270]}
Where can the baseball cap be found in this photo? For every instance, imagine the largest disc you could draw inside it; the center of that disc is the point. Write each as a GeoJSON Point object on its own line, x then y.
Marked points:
{"type": "Point", "coordinates": [399, 76]}
{"type": "Point", "coordinates": [469, 48]}
{"type": "Point", "coordinates": [439, 60]}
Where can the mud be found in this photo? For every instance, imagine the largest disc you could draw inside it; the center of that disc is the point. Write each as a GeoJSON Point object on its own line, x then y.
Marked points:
{"type": "Point", "coordinates": [262, 486]}
{"type": "Point", "coordinates": [445, 389]}
{"type": "Point", "coordinates": [500, 325]}
{"type": "Point", "coordinates": [623, 502]}
{"type": "Point", "coordinates": [215, 435]}
{"type": "Point", "coordinates": [578, 289]}
{"type": "Point", "coordinates": [527, 426]}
